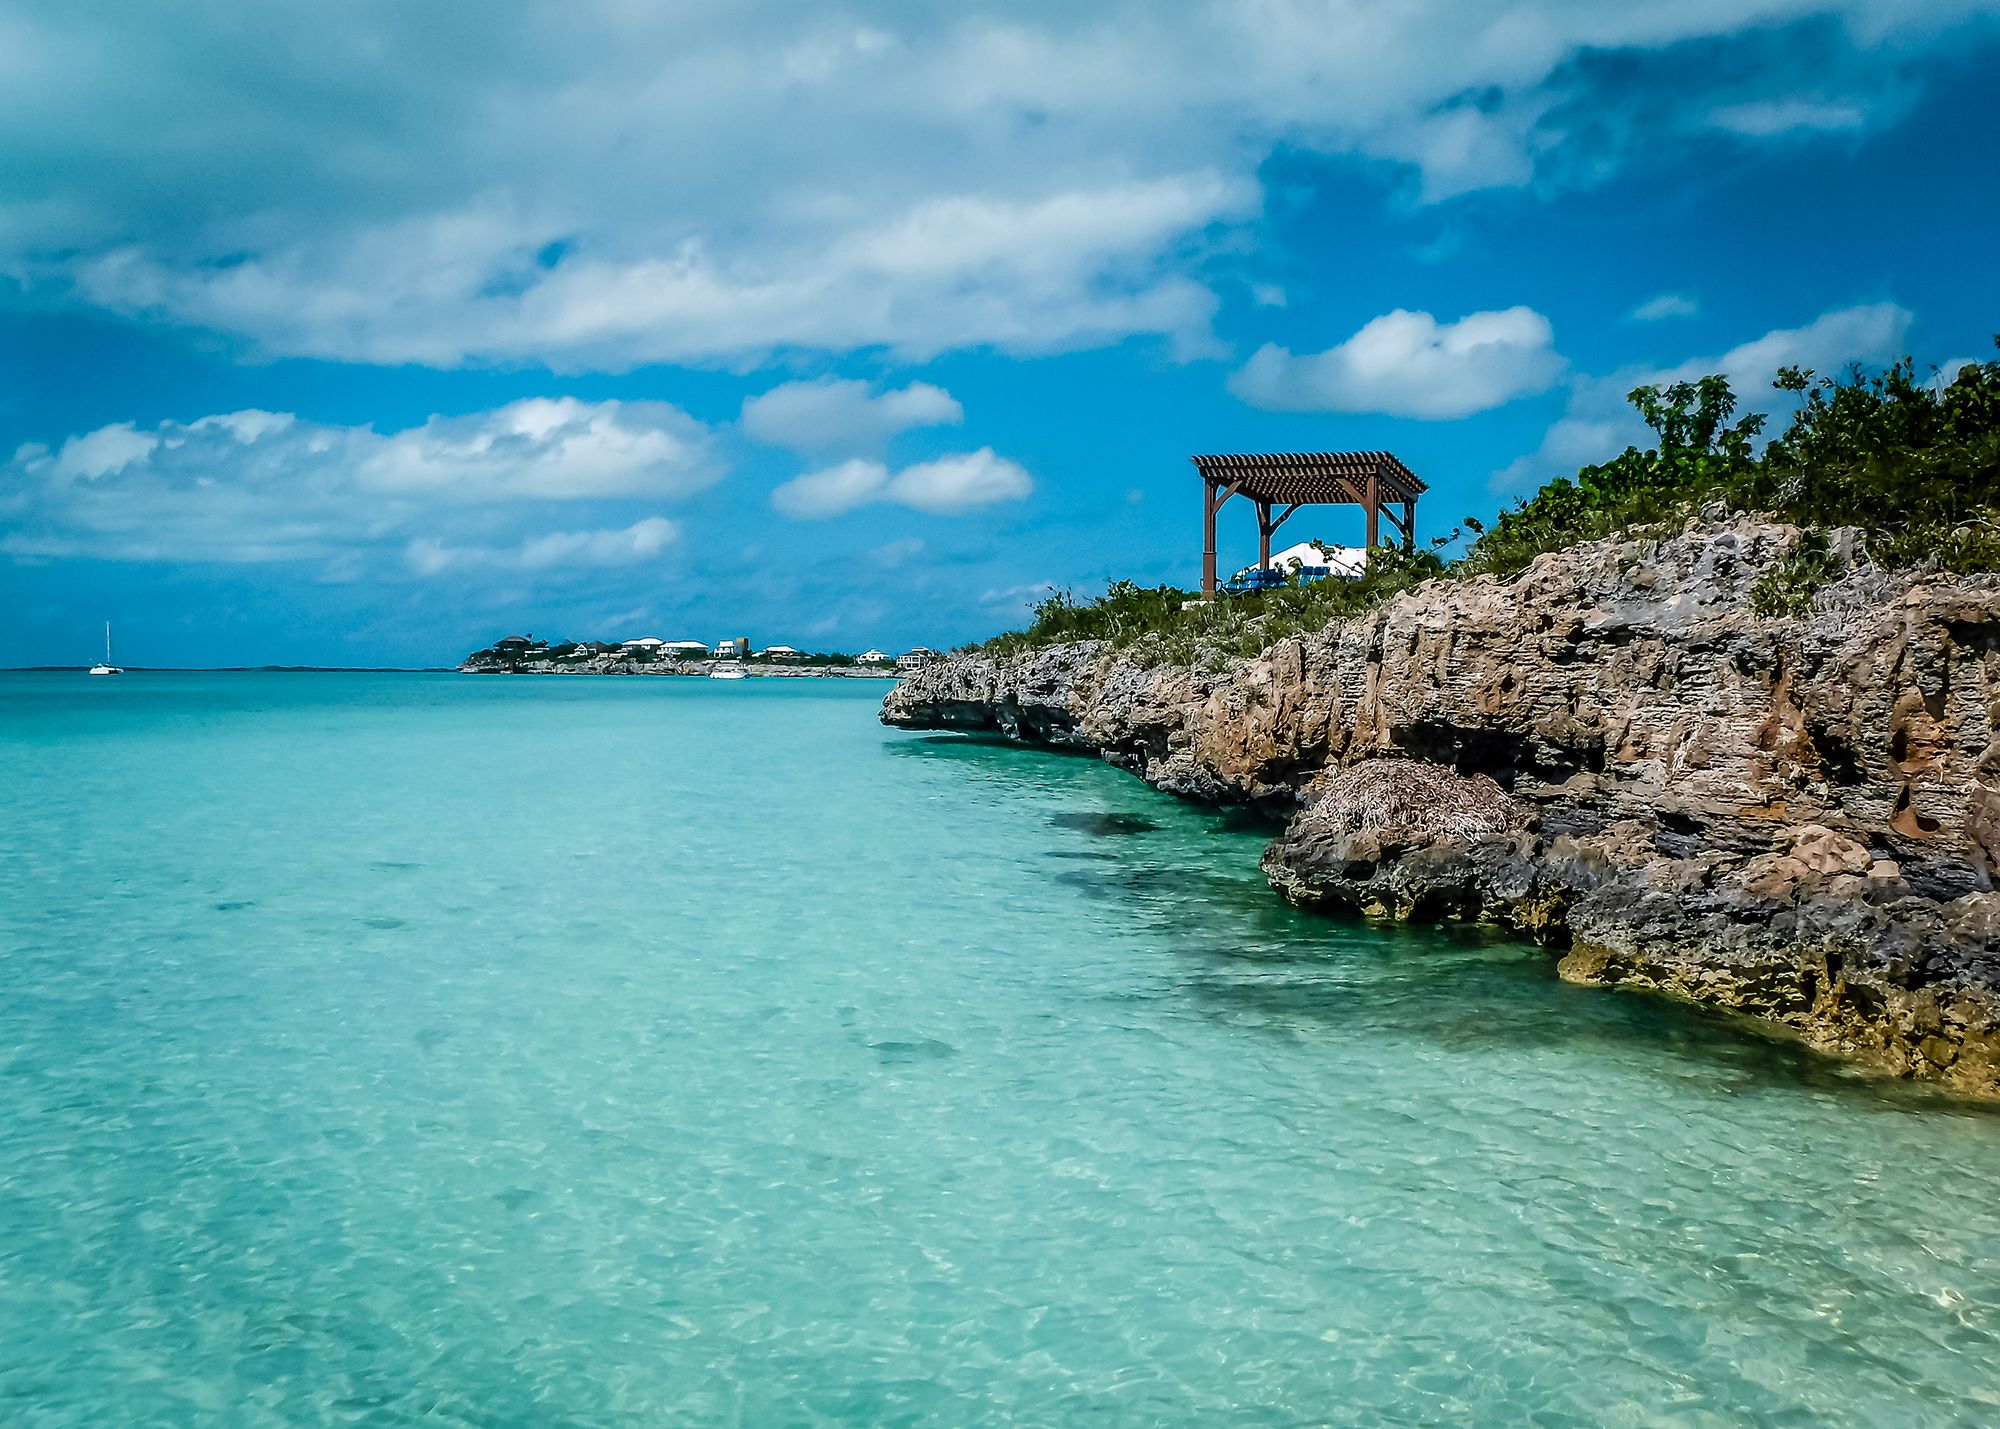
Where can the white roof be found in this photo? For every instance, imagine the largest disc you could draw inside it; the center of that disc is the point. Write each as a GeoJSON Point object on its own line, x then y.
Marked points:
{"type": "Point", "coordinates": [1342, 560]}
{"type": "Point", "coordinates": [873, 655]}
{"type": "Point", "coordinates": [780, 650]}
{"type": "Point", "coordinates": [683, 645]}
{"type": "Point", "coordinates": [644, 640]}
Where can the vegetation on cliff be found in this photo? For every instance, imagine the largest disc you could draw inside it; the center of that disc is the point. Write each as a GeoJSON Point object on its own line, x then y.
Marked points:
{"type": "Point", "coordinates": [1912, 463]}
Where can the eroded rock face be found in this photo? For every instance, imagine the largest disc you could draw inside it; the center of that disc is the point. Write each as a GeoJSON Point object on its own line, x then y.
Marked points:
{"type": "Point", "coordinates": [1795, 818]}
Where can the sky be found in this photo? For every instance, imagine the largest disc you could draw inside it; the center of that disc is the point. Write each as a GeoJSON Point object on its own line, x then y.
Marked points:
{"type": "Point", "coordinates": [356, 332]}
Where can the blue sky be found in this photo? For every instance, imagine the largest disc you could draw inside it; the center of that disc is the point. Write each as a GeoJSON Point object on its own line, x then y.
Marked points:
{"type": "Point", "coordinates": [363, 333]}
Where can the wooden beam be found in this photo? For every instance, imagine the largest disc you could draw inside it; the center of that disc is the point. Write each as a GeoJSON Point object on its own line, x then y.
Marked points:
{"type": "Point", "coordinates": [1289, 510]}
{"type": "Point", "coordinates": [1374, 505]}
{"type": "Point", "coordinates": [1215, 502]}
{"type": "Point", "coordinates": [1263, 535]}
{"type": "Point", "coordinates": [1409, 525]}
{"type": "Point", "coordinates": [1208, 507]}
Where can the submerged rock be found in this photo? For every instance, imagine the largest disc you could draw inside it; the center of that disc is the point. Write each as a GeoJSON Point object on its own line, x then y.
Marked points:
{"type": "Point", "coordinates": [1795, 818]}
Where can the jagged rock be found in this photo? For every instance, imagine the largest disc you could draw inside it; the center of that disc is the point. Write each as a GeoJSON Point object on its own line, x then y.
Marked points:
{"type": "Point", "coordinates": [1794, 818]}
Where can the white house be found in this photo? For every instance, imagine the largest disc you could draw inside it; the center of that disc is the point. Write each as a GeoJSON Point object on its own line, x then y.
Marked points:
{"type": "Point", "coordinates": [873, 657]}
{"type": "Point", "coordinates": [911, 659]}
{"type": "Point", "coordinates": [781, 652]}
{"type": "Point", "coordinates": [684, 649]}
{"type": "Point", "coordinates": [649, 642]}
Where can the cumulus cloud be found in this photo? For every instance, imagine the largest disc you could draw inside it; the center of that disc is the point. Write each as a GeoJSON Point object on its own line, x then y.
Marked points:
{"type": "Point", "coordinates": [947, 486]}
{"type": "Point", "coordinates": [832, 490]}
{"type": "Point", "coordinates": [1598, 422]}
{"type": "Point", "coordinates": [835, 414]}
{"type": "Point", "coordinates": [254, 487]}
{"type": "Point", "coordinates": [1024, 176]}
{"type": "Point", "coordinates": [547, 448]}
{"type": "Point", "coordinates": [1407, 364]}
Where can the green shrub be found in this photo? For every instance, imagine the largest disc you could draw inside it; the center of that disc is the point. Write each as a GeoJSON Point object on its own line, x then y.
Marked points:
{"type": "Point", "coordinates": [1788, 587]}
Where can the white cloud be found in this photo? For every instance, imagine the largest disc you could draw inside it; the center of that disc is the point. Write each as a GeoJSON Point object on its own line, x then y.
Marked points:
{"type": "Point", "coordinates": [1408, 364]}
{"type": "Point", "coordinates": [102, 452]}
{"type": "Point", "coordinates": [712, 183]}
{"type": "Point", "coordinates": [547, 448]}
{"type": "Point", "coordinates": [834, 414]}
{"type": "Point", "coordinates": [1666, 306]}
{"type": "Point", "coordinates": [947, 486]}
{"type": "Point", "coordinates": [1599, 423]}
{"type": "Point", "coordinates": [641, 541]}
{"type": "Point", "coordinates": [955, 484]}
{"type": "Point", "coordinates": [832, 490]}
{"type": "Point", "coordinates": [952, 271]}
{"type": "Point", "coordinates": [255, 487]}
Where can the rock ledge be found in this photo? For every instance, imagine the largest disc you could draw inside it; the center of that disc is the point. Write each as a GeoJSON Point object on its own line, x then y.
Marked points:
{"type": "Point", "coordinates": [1797, 819]}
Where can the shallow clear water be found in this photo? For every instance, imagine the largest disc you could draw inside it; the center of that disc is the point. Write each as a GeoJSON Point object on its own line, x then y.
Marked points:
{"type": "Point", "coordinates": [394, 1049]}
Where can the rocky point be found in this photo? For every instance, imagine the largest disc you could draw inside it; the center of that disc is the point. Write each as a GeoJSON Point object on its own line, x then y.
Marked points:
{"type": "Point", "coordinates": [1796, 818]}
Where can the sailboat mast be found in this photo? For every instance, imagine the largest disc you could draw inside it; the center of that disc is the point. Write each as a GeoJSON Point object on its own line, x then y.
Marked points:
{"type": "Point", "coordinates": [107, 642]}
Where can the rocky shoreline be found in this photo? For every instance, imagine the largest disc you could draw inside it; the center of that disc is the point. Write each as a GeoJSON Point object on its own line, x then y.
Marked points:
{"type": "Point", "coordinates": [1793, 818]}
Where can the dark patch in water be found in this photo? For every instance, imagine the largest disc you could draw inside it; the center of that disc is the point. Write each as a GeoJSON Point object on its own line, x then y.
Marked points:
{"type": "Point", "coordinates": [514, 1199]}
{"type": "Point", "coordinates": [1453, 993]}
{"type": "Point", "coordinates": [1274, 952]}
{"type": "Point", "coordinates": [431, 1038]}
{"type": "Point", "coordinates": [392, 866]}
{"type": "Point", "coordinates": [1242, 819]}
{"type": "Point", "coordinates": [233, 906]}
{"type": "Point", "coordinates": [923, 1049]}
{"type": "Point", "coordinates": [386, 922]}
{"type": "Point", "coordinates": [1094, 855]}
{"type": "Point", "coordinates": [1104, 825]}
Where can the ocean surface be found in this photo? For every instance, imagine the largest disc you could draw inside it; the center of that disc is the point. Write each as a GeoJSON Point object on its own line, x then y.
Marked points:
{"type": "Point", "coordinates": [427, 1049]}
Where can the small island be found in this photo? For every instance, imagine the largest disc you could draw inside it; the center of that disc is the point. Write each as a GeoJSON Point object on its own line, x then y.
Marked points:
{"type": "Point", "coordinates": [650, 655]}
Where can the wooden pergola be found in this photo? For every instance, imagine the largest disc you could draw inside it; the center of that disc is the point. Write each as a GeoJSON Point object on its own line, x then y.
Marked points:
{"type": "Point", "coordinates": [1375, 481]}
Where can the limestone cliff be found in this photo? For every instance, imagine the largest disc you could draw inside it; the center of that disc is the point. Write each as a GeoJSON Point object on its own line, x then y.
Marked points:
{"type": "Point", "coordinates": [1796, 818]}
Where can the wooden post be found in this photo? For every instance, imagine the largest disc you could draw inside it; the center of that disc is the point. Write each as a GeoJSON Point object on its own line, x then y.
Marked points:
{"type": "Point", "coordinates": [1374, 506]}
{"type": "Point", "coordinates": [1409, 525]}
{"type": "Point", "coordinates": [1263, 535]}
{"type": "Point", "coordinates": [1208, 504]}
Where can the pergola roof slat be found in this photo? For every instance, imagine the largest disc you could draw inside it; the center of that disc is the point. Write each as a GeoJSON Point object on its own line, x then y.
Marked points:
{"type": "Point", "coordinates": [1313, 478]}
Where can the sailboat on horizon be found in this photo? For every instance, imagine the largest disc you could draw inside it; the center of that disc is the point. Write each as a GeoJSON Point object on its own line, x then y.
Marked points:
{"type": "Point", "coordinates": [107, 668]}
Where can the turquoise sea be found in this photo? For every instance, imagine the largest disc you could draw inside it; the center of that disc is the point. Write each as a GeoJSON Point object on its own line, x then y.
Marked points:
{"type": "Point", "coordinates": [424, 1049]}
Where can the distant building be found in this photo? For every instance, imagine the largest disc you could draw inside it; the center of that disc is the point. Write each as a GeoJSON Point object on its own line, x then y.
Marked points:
{"type": "Point", "coordinates": [647, 642]}
{"type": "Point", "coordinates": [874, 657]}
{"type": "Point", "coordinates": [514, 642]}
{"type": "Point", "coordinates": [684, 649]}
{"type": "Point", "coordinates": [781, 652]}
{"type": "Point", "coordinates": [912, 659]}
{"type": "Point", "coordinates": [737, 649]}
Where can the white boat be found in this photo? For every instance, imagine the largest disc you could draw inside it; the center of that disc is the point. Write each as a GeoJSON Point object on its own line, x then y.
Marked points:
{"type": "Point", "coordinates": [107, 668]}
{"type": "Point", "coordinates": [726, 672]}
